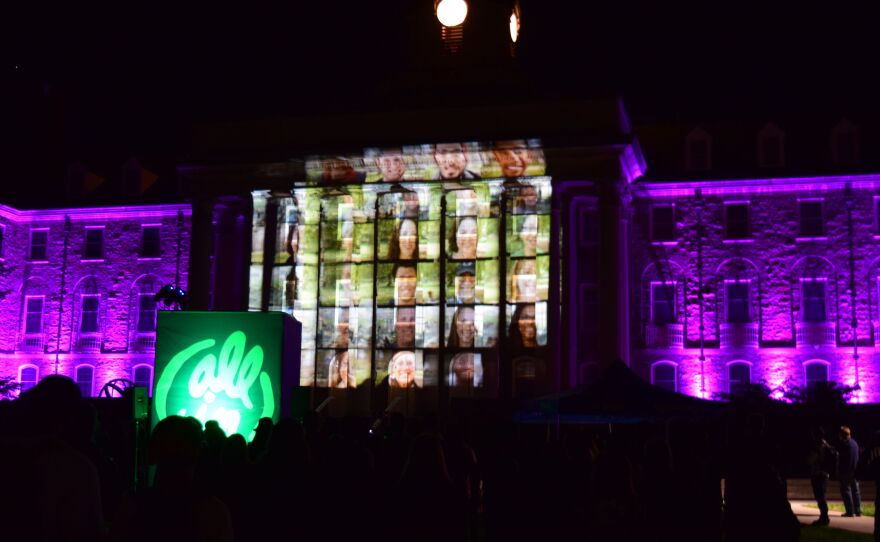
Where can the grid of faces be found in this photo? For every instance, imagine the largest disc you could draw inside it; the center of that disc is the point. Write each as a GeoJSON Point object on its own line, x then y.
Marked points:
{"type": "Point", "coordinates": [408, 285]}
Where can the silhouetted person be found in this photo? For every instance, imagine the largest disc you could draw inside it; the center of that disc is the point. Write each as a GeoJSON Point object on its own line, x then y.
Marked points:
{"type": "Point", "coordinates": [819, 459]}
{"type": "Point", "coordinates": [56, 488]}
{"type": "Point", "coordinates": [849, 486]}
{"type": "Point", "coordinates": [263, 432]}
{"type": "Point", "coordinates": [173, 509]}
{"type": "Point", "coordinates": [872, 468]}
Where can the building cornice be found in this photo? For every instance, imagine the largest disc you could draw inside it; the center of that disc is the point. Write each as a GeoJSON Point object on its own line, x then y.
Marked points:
{"type": "Point", "coordinates": [128, 212]}
{"type": "Point", "coordinates": [660, 189]}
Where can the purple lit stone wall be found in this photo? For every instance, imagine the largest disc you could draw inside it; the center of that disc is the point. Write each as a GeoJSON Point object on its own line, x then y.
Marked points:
{"type": "Point", "coordinates": [118, 277]}
{"type": "Point", "coordinates": [773, 259]}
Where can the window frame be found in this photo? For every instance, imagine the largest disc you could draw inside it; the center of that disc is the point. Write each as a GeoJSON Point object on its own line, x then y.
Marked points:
{"type": "Point", "coordinates": [747, 238]}
{"type": "Point", "coordinates": [672, 240]}
{"type": "Point", "coordinates": [2, 241]}
{"type": "Point", "coordinates": [824, 233]}
{"type": "Point", "coordinates": [674, 302]}
{"type": "Point", "coordinates": [30, 257]}
{"type": "Point", "coordinates": [86, 257]}
{"type": "Point", "coordinates": [749, 316]}
{"type": "Point", "coordinates": [21, 369]}
{"type": "Point", "coordinates": [155, 311]}
{"type": "Point", "coordinates": [803, 304]}
{"type": "Point", "coordinates": [738, 363]}
{"type": "Point", "coordinates": [82, 312]}
{"type": "Point", "coordinates": [665, 363]}
{"type": "Point", "coordinates": [816, 362]}
{"type": "Point", "coordinates": [92, 380]}
{"type": "Point", "coordinates": [141, 253]}
{"type": "Point", "coordinates": [134, 371]}
{"type": "Point", "coordinates": [27, 298]}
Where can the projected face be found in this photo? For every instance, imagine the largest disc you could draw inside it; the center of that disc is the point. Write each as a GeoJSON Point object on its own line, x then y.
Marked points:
{"type": "Point", "coordinates": [451, 160]}
{"type": "Point", "coordinates": [405, 327]}
{"type": "Point", "coordinates": [402, 370]}
{"type": "Point", "coordinates": [340, 371]}
{"type": "Point", "coordinates": [462, 369]}
{"type": "Point", "coordinates": [526, 325]}
{"type": "Point", "coordinates": [465, 287]}
{"type": "Point", "coordinates": [410, 205]}
{"type": "Point", "coordinates": [528, 234]}
{"type": "Point", "coordinates": [392, 166]}
{"type": "Point", "coordinates": [405, 284]}
{"type": "Point", "coordinates": [527, 199]}
{"type": "Point", "coordinates": [525, 280]}
{"type": "Point", "coordinates": [466, 238]}
{"type": "Point", "coordinates": [513, 157]}
{"type": "Point", "coordinates": [466, 202]}
{"type": "Point", "coordinates": [464, 327]}
{"type": "Point", "coordinates": [408, 239]}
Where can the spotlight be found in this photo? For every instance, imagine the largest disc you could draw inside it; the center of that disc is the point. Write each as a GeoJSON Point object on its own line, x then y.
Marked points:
{"type": "Point", "coordinates": [171, 297]}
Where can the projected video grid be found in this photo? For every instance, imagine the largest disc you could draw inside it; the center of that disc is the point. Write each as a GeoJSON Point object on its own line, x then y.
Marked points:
{"type": "Point", "coordinates": [395, 266]}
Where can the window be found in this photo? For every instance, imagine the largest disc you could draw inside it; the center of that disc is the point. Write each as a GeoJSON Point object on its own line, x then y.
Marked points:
{"type": "Point", "coordinates": [27, 377]}
{"type": "Point", "coordinates": [146, 314]}
{"type": "Point", "coordinates": [33, 319]}
{"type": "Point", "coordinates": [94, 249]}
{"type": "Point", "coordinates": [39, 242]}
{"type": "Point", "coordinates": [663, 223]}
{"type": "Point", "coordinates": [876, 216]}
{"type": "Point", "coordinates": [815, 373]}
{"type": "Point", "coordinates": [89, 313]}
{"type": "Point", "coordinates": [2, 236]}
{"type": "Point", "coordinates": [813, 309]}
{"type": "Point", "coordinates": [698, 150]}
{"type": "Point", "coordinates": [150, 247]}
{"type": "Point", "coordinates": [739, 376]}
{"type": "Point", "coordinates": [663, 303]}
{"type": "Point", "coordinates": [812, 224]}
{"type": "Point", "coordinates": [738, 302]}
{"type": "Point", "coordinates": [85, 379]}
{"type": "Point", "coordinates": [143, 376]}
{"type": "Point", "coordinates": [663, 376]}
{"type": "Point", "coordinates": [736, 217]}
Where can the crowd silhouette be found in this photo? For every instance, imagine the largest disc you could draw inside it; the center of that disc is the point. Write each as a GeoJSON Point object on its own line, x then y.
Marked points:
{"type": "Point", "coordinates": [394, 478]}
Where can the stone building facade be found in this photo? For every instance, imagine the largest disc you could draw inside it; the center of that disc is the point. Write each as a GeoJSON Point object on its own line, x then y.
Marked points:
{"type": "Point", "coordinates": [77, 290]}
{"type": "Point", "coordinates": [772, 281]}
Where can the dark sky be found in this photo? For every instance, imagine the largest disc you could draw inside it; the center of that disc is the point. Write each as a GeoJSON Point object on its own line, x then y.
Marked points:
{"type": "Point", "coordinates": [80, 80]}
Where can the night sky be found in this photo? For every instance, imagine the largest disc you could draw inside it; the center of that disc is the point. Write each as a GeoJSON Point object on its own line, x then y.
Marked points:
{"type": "Point", "coordinates": [99, 84]}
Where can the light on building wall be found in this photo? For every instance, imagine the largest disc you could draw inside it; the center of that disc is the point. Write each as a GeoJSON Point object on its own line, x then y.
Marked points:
{"type": "Point", "coordinates": [451, 12]}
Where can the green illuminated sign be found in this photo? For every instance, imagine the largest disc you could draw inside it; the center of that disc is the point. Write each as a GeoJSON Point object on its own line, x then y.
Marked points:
{"type": "Point", "coordinates": [219, 366]}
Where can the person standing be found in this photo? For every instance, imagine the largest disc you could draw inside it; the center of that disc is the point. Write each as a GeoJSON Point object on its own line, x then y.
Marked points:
{"type": "Point", "coordinates": [822, 460]}
{"type": "Point", "coordinates": [849, 486]}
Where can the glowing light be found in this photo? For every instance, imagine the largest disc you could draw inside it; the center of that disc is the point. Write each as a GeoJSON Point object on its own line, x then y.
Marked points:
{"type": "Point", "coordinates": [452, 12]}
{"type": "Point", "coordinates": [514, 26]}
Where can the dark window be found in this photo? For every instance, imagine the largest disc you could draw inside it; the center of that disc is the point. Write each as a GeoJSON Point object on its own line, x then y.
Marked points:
{"type": "Point", "coordinates": [663, 303]}
{"type": "Point", "coordinates": [150, 242]}
{"type": "Point", "coordinates": [738, 303]}
{"type": "Point", "coordinates": [2, 233]}
{"type": "Point", "coordinates": [94, 249]}
{"type": "Point", "coordinates": [39, 240]}
{"type": "Point", "coordinates": [771, 151]}
{"type": "Point", "coordinates": [85, 379]}
{"type": "Point", "coordinates": [698, 154]}
{"type": "Point", "coordinates": [739, 375]}
{"type": "Point", "coordinates": [89, 316]}
{"type": "Point", "coordinates": [33, 315]}
{"type": "Point", "coordinates": [814, 301]}
{"type": "Point", "coordinates": [877, 213]}
{"type": "Point", "coordinates": [28, 379]}
{"type": "Point", "coordinates": [146, 314]}
{"type": "Point", "coordinates": [737, 220]}
{"type": "Point", "coordinates": [664, 376]}
{"type": "Point", "coordinates": [143, 376]}
{"type": "Point", "coordinates": [811, 219]}
{"type": "Point", "coordinates": [663, 223]}
{"type": "Point", "coordinates": [816, 373]}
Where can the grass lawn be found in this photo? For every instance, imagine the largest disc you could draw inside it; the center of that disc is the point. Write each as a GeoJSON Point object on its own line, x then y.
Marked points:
{"type": "Point", "coordinates": [826, 534]}
{"type": "Point", "coordinates": [867, 508]}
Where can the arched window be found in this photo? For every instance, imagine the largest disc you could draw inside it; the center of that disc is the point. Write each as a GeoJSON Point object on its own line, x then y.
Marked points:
{"type": "Point", "coordinates": [143, 313]}
{"type": "Point", "coordinates": [664, 375]}
{"type": "Point", "coordinates": [27, 377]}
{"type": "Point", "coordinates": [739, 376]}
{"type": "Point", "coordinates": [815, 372]}
{"type": "Point", "coordinates": [142, 375]}
{"type": "Point", "coordinates": [85, 379]}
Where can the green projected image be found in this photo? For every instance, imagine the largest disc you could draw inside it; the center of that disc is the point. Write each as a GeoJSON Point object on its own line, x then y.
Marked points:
{"type": "Point", "coordinates": [410, 267]}
{"type": "Point", "coordinates": [219, 366]}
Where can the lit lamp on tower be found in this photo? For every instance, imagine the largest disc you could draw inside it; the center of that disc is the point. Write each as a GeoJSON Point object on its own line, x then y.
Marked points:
{"type": "Point", "coordinates": [451, 14]}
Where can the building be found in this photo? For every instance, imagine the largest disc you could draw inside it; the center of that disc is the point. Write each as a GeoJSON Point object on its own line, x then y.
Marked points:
{"type": "Point", "coordinates": [78, 290]}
